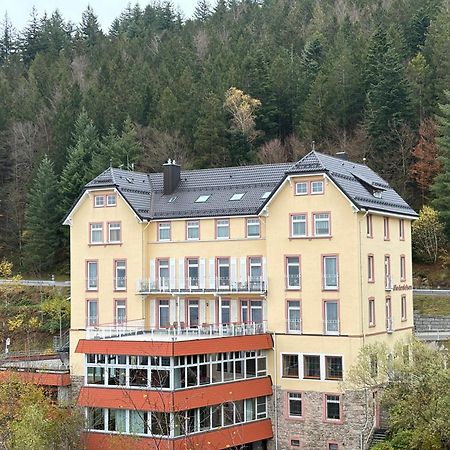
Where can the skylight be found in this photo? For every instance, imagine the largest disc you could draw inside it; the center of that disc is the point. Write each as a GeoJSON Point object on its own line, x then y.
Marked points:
{"type": "Point", "coordinates": [236, 197]}
{"type": "Point", "coordinates": [172, 199]}
{"type": "Point", "coordinates": [265, 195]}
{"type": "Point", "coordinates": [202, 198]}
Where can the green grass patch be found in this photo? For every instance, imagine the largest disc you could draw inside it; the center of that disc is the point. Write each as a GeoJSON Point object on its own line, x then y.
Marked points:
{"type": "Point", "coordinates": [432, 305]}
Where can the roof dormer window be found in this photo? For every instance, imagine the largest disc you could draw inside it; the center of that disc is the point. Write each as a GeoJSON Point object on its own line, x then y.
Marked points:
{"type": "Point", "coordinates": [236, 197]}
{"type": "Point", "coordinates": [202, 198]}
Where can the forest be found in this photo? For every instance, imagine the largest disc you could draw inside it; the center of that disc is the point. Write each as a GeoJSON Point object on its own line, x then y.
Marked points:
{"type": "Point", "coordinates": [366, 77]}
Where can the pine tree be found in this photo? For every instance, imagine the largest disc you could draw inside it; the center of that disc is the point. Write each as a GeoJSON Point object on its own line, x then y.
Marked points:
{"type": "Point", "coordinates": [441, 185]}
{"type": "Point", "coordinates": [7, 40]}
{"type": "Point", "coordinates": [202, 11]}
{"type": "Point", "coordinates": [78, 169]}
{"type": "Point", "coordinates": [30, 42]}
{"type": "Point", "coordinates": [117, 150]}
{"type": "Point", "coordinates": [90, 28]}
{"type": "Point", "coordinates": [42, 219]}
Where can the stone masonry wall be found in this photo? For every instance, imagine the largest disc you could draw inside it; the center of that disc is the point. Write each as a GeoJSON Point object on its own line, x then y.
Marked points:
{"type": "Point", "coordinates": [431, 323]}
{"type": "Point", "coordinates": [314, 433]}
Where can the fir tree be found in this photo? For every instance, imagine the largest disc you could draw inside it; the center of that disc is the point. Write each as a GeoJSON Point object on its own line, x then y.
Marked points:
{"type": "Point", "coordinates": [202, 10]}
{"type": "Point", "coordinates": [90, 28]}
{"type": "Point", "coordinates": [42, 219]}
{"type": "Point", "coordinates": [78, 169]}
{"type": "Point", "coordinates": [441, 185]}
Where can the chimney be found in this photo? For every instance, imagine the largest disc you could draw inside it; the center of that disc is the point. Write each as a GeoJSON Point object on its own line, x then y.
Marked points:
{"type": "Point", "coordinates": [171, 176]}
{"type": "Point", "coordinates": [342, 155]}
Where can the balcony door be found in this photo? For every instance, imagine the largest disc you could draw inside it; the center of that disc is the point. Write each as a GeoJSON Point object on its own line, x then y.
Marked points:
{"type": "Point", "coordinates": [223, 273]}
{"type": "Point", "coordinates": [331, 310]}
{"type": "Point", "coordinates": [193, 313]}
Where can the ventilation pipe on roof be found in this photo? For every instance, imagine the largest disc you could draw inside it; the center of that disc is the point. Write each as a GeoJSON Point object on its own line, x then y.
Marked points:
{"type": "Point", "coordinates": [342, 155]}
{"type": "Point", "coordinates": [171, 176]}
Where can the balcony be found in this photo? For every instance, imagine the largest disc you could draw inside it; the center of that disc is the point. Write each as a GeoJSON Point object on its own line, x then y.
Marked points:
{"type": "Point", "coordinates": [136, 329]}
{"type": "Point", "coordinates": [202, 285]}
{"type": "Point", "coordinates": [294, 326]}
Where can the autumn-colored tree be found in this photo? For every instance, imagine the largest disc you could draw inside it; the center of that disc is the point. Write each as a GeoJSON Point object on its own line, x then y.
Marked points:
{"type": "Point", "coordinates": [242, 108]}
{"type": "Point", "coordinates": [428, 235]}
{"type": "Point", "coordinates": [427, 164]}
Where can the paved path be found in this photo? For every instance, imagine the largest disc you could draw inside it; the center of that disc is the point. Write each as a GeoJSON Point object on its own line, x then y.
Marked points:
{"type": "Point", "coordinates": [37, 282]}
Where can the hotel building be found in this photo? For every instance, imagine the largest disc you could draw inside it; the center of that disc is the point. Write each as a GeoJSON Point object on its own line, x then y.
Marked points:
{"type": "Point", "coordinates": [222, 308]}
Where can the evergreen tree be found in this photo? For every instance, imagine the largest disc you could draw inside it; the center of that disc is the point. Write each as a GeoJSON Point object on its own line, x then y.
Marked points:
{"type": "Point", "coordinates": [7, 40]}
{"type": "Point", "coordinates": [441, 185]}
{"type": "Point", "coordinates": [90, 28]}
{"type": "Point", "coordinates": [117, 150]}
{"type": "Point", "coordinates": [202, 10]}
{"type": "Point", "coordinates": [30, 42]}
{"type": "Point", "coordinates": [42, 219]}
{"type": "Point", "coordinates": [78, 169]}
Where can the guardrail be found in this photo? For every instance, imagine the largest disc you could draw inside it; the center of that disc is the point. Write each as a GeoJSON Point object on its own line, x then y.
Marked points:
{"type": "Point", "coordinates": [36, 282]}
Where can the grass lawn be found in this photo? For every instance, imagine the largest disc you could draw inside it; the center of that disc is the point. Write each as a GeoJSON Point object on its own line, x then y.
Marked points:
{"type": "Point", "coordinates": [432, 305]}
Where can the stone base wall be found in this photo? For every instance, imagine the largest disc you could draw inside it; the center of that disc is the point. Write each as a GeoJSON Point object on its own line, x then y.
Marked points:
{"type": "Point", "coordinates": [313, 431]}
{"type": "Point", "coordinates": [77, 384]}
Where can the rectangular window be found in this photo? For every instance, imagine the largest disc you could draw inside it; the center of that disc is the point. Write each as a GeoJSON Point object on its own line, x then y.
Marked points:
{"type": "Point", "coordinates": [389, 322]}
{"type": "Point", "coordinates": [386, 228]}
{"type": "Point", "coordinates": [255, 273]}
{"type": "Point", "coordinates": [321, 224]}
{"type": "Point", "coordinates": [163, 274]}
{"type": "Point", "coordinates": [333, 407]}
{"type": "Point", "coordinates": [92, 313]}
{"type": "Point", "coordinates": [401, 229]}
{"type": "Point", "coordinates": [120, 273]}
{"type": "Point", "coordinates": [121, 312]}
{"type": "Point", "coordinates": [193, 313]}
{"type": "Point", "coordinates": [402, 268]}
{"type": "Point", "coordinates": [369, 225]}
{"type": "Point", "coordinates": [223, 229]}
{"type": "Point", "coordinates": [192, 230]}
{"type": "Point", "coordinates": [370, 269]}
{"type": "Point", "coordinates": [333, 367]}
{"type": "Point", "coordinates": [333, 446]}
{"type": "Point", "coordinates": [251, 311]}
{"type": "Point", "coordinates": [92, 275]}
{"type": "Point", "coordinates": [223, 273]}
{"type": "Point", "coordinates": [298, 225]}
{"type": "Point", "coordinates": [301, 188]}
{"type": "Point", "coordinates": [253, 228]}
{"type": "Point", "coordinates": [387, 273]}
{"type": "Point", "coordinates": [295, 405]}
{"type": "Point", "coordinates": [114, 232]}
{"type": "Point", "coordinates": [99, 201]}
{"type": "Point", "coordinates": [330, 272]}
{"type": "Point", "coordinates": [403, 308]}
{"type": "Point", "coordinates": [295, 443]}
{"type": "Point", "coordinates": [193, 273]}
{"type": "Point", "coordinates": [311, 367]}
{"type": "Point", "coordinates": [225, 312]}
{"type": "Point", "coordinates": [96, 233]}
{"type": "Point", "coordinates": [163, 314]}
{"type": "Point", "coordinates": [316, 187]}
{"type": "Point", "coordinates": [111, 200]}
{"type": "Point", "coordinates": [294, 324]}
{"type": "Point", "coordinates": [371, 312]}
{"type": "Point", "coordinates": [331, 311]}
{"type": "Point", "coordinates": [292, 272]}
{"type": "Point", "coordinates": [290, 366]}
{"type": "Point", "coordinates": [164, 231]}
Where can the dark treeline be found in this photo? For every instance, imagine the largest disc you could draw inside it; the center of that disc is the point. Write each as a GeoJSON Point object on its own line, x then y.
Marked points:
{"type": "Point", "coordinates": [363, 76]}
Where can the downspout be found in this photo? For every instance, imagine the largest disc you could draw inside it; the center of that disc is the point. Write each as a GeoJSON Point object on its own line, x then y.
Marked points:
{"type": "Point", "coordinates": [366, 397]}
{"type": "Point", "coordinates": [275, 358]}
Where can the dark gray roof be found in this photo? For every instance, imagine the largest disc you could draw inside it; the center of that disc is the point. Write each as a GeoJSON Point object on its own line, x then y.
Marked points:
{"type": "Point", "coordinates": [144, 192]}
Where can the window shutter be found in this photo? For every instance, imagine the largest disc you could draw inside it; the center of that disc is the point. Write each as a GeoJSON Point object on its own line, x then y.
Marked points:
{"type": "Point", "coordinates": [211, 274]}
{"type": "Point", "coordinates": [201, 272]}
{"type": "Point", "coordinates": [243, 270]}
{"type": "Point", "coordinates": [233, 272]}
{"type": "Point", "coordinates": [181, 276]}
{"type": "Point", "coordinates": [152, 273]}
{"type": "Point", "coordinates": [172, 274]}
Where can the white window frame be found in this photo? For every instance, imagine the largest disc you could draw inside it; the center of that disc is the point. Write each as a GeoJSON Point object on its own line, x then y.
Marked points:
{"type": "Point", "coordinates": [109, 197]}
{"type": "Point", "coordinates": [403, 308]}
{"type": "Point", "coordinates": [326, 284]}
{"type": "Point", "coordinates": [289, 264]}
{"type": "Point", "coordinates": [299, 219]}
{"type": "Point", "coordinates": [91, 320]}
{"type": "Point", "coordinates": [317, 183]}
{"type": "Point", "coordinates": [100, 204]}
{"type": "Point", "coordinates": [202, 198]}
{"type": "Point", "coordinates": [120, 264]}
{"type": "Point", "coordinates": [163, 306]}
{"type": "Point", "coordinates": [319, 218]}
{"type": "Point", "coordinates": [96, 228]}
{"type": "Point", "coordinates": [329, 400]}
{"type": "Point", "coordinates": [386, 231]}
{"type": "Point", "coordinates": [223, 224]}
{"type": "Point", "coordinates": [193, 282]}
{"type": "Point", "coordinates": [302, 184]}
{"type": "Point", "coordinates": [163, 282]}
{"type": "Point", "coordinates": [237, 196]}
{"type": "Point", "coordinates": [331, 329]}
{"type": "Point", "coordinates": [370, 268]}
{"type": "Point", "coordinates": [372, 316]}
{"type": "Point", "coordinates": [120, 305]}
{"type": "Point", "coordinates": [294, 306]}
{"type": "Point", "coordinates": [402, 268]}
{"type": "Point", "coordinates": [164, 226]}
{"type": "Point", "coordinates": [253, 223]}
{"type": "Point", "coordinates": [401, 229]}
{"type": "Point", "coordinates": [192, 226]}
{"type": "Point", "coordinates": [89, 285]}
{"type": "Point", "coordinates": [114, 226]}
{"type": "Point", "coordinates": [298, 398]}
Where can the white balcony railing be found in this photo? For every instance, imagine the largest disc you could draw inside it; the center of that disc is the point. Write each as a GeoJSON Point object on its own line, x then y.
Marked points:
{"type": "Point", "coordinates": [205, 284]}
{"type": "Point", "coordinates": [331, 327]}
{"type": "Point", "coordinates": [137, 328]}
{"type": "Point", "coordinates": [388, 282]}
{"type": "Point", "coordinates": [91, 283]}
{"type": "Point", "coordinates": [294, 326]}
{"type": "Point", "coordinates": [389, 325]}
{"type": "Point", "coordinates": [331, 281]}
{"type": "Point", "coordinates": [293, 281]}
